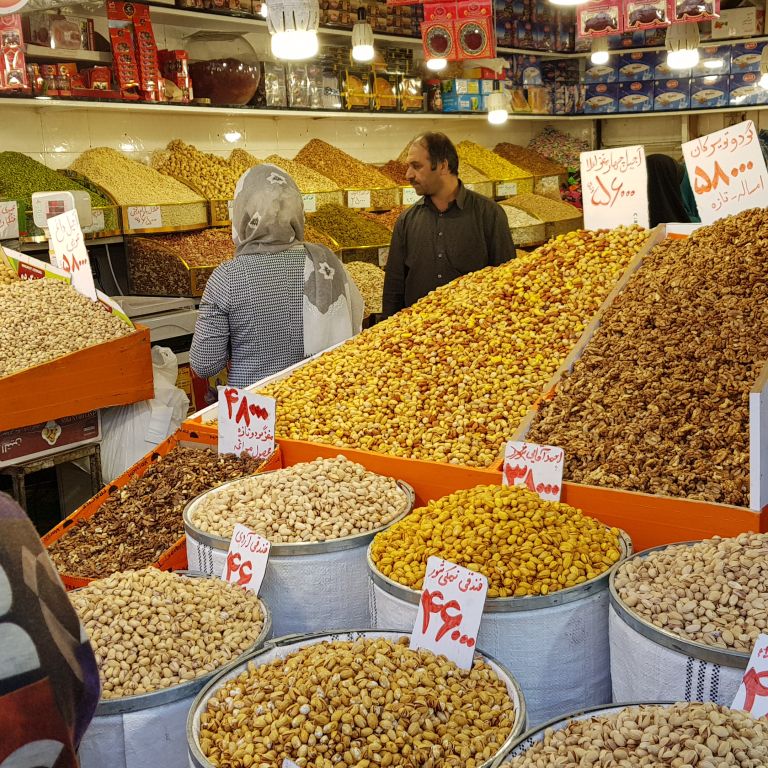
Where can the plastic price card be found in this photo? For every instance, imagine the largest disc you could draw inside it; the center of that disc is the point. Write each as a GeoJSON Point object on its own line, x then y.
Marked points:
{"type": "Point", "coordinates": [450, 610]}
{"type": "Point", "coordinates": [246, 559]}
{"type": "Point", "coordinates": [246, 423]}
{"type": "Point", "coordinates": [538, 467]}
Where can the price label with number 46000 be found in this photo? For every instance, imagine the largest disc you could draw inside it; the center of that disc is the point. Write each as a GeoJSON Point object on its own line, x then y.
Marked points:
{"type": "Point", "coordinates": [450, 611]}
{"type": "Point", "coordinates": [246, 559]}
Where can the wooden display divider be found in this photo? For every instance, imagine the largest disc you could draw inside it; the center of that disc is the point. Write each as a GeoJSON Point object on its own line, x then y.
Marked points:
{"type": "Point", "coordinates": [117, 372]}
{"type": "Point", "coordinates": [175, 557]}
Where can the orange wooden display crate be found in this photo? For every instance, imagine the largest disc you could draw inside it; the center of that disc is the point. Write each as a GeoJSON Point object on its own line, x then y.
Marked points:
{"type": "Point", "coordinates": [174, 558]}
{"type": "Point", "coordinates": [116, 372]}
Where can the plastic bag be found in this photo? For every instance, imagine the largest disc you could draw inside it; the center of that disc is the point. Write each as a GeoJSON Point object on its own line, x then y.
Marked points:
{"type": "Point", "coordinates": [131, 431]}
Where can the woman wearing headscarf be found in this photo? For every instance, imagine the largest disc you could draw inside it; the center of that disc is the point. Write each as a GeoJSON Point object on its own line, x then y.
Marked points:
{"type": "Point", "coordinates": [280, 299]}
{"type": "Point", "coordinates": [665, 201]}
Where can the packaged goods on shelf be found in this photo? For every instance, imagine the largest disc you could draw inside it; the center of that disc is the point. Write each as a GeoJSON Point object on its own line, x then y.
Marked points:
{"type": "Point", "coordinates": [559, 147]}
{"type": "Point", "coordinates": [134, 185]}
{"type": "Point", "coordinates": [176, 265]}
{"type": "Point", "coordinates": [136, 523]}
{"type": "Point", "coordinates": [369, 280]}
{"type": "Point", "coordinates": [20, 176]}
{"type": "Point", "coordinates": [525, 229]}
{"type": "Point", "coordinates": [547, 176]}
{"type": "Point", "coordinates": [320, 666]}
{"type": "Point", "coordinates": [349, 173]}
{"type": "Point", "coordinates": [493, 166]}
{"type": "Point", "coordinates": [403, 387]}
{"type": "Point", "coordinates": [670, 370]}
{"type": "Point", "coordinates": [693, 728]}
{"type": "Point", "coordinates": [558, 216]}
{"type": "Point", "coordinates": [347, 227]}
{"type": "Point", "coordinates": [42, 320]}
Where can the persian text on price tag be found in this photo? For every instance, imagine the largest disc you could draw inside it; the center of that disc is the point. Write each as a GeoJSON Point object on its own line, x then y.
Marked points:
{"type": "Point", "coordinates": [246, 559]}
{"type": "Point", "coordinates": [246, 423]}
{"type": "Point", "coordinates": [506, 189]}
{"type": "Point", "coordinates": [68, 251]}
{"type": "Point", "coordinates": [410, 195]}
{"type": "Point", "coordinates": [727, 172]}
{"type": "Point", "coordinates": [310, 203]}
{"type": "Point", "coordinates": [145, 217]}
{"type": "Point", "coordinates": [752, 695]}
{"type": "Point", "coordinates": [450, 611]}
{"type": "Point", "coordinates": [9, 220]}
{"type": "Point", "coordinates": [614, 186]}
{"type": "Point", "coordinates": [359, 198]}
{"type": "Point", "coordinates": [538, 467]}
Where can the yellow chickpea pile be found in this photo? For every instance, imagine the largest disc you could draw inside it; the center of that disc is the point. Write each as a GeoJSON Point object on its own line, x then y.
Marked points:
{"type": "Point", "coordinates": [523, 545]}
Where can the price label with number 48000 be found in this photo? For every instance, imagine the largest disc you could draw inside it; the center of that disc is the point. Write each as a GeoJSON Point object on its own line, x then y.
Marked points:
{"type": "Point", "coordinates": [450, 611]}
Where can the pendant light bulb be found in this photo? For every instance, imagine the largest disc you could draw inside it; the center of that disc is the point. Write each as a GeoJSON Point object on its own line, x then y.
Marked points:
{"type": "Point", "coordinates": [600, 53]}
{"type": "Point", "coordinates": [362, 38]}
{"type": "Point", "coordinates": [437, 65]}
{"type": "Point", "coordinates": [682, 45]}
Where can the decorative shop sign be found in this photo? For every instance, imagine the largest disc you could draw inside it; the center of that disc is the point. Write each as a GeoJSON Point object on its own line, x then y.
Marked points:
{"type": "Point", "coordinates": [538, 467]}
{"type": "Point", "coordinates": [246, 423]}
{"type": "Point", "coordinates": [246, 559]}
{"type": "Point", "coordinates": [68, 251]}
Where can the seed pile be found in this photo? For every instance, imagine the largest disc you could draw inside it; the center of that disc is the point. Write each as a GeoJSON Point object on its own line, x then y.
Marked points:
{"type": "Point", "coordinates": [529, 160]}
{"type": "Point", "coordinates": [369, 280]}
{"type": "Point", "coordinates": [7, 275]}
{"type": "Point", "coordinates": [659, 401]}
{"type": "Point", "coordinates": [307, 180]}
{"type": "Point", "coordinates": [143, 518]}
{"type": "Point", "coordinates": [388, 219]}
{"type": "Point", "coordinates": [314, 501]}
{"type": "Point", "coordinates": [396, 171]}
{"type": "Point", "coordinates": [242, 161]}
{"type": "Point", "coordinates": [347, 227]}
{"type": "Point", "coordinates": [312, 235]}
{"type": "Point", "coordinates": [525, 546]}
{"type": "Point", "coordinates": [41, 320]}
{"type": "Point", "coordinates": [210, 175]}
{"type": "Point", "coordinates": [352, 704]}
{"type": "Point", "coordinates": [153, 629]}
{"type": "Point", "coordinates": [713, 592]}
{"type": "Point", "coordinates": [543, 208]}
{"type": "Point", "coordinates": [681, 736]}
{"type": "Point", "coordinates": [471, 175]}
{"type": "Point", "coordinates": [491, 164]}
{"type": "Point", "coordinates": [526, 229]}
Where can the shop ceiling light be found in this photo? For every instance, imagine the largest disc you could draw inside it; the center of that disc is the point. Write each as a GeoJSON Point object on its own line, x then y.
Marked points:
{"type": "Point", "coordinates": [496, 103]}
{"type": "Point", "coordinates": [570, 3]}
{"type": "Point", "coordinates": [713, 63]}
{"type": "Point", "coordinates": [682, 45]}
{"type": "Point", "coordinates": [293, 25]}
{"type": "Point", "coordinates": [362, 38]}
{"type": "Point", "coordinates": [600, 53]}
{"type": "Point", "coordinates": [264, 12]}
{"type": "Point", "coordinates": [436, 65]}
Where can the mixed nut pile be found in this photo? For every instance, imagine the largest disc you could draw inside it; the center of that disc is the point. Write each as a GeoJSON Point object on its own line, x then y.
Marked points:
{"type": "Point", "coordinates": [369, 280]}
{"type": "Point", "coordinates": [347, 227]}
{"type": "Point", "coordinates": [210, 175]}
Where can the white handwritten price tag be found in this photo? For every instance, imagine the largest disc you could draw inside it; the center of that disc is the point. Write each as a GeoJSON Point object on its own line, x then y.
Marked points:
{"type": "Point", "coordinates": [614, 187]}
{"type": "Point", "coordinates": [145, 217]}
{"type": "Point", "coordinates": [450, 611]}
{"type": "Point", "coordinates": [752, 695]}
{"type": "Point", "coordinates": [359, 198]}
{"type": "Point", "coordinates": [538, 467]}
{"type": "Point", "coordinates": [98, 221]}
{"type": "Point", "coordinates": [410, 195]}
{"type": "Point", "coordinates": [246, 559]}
{"type": "Point", "coordinates": [310, 203]}
{"type": "Point", "coordinates": [9, 220]}
{"type": "Point", "coordinates": [68, 251]}
{"type": "Point", "coordinates": [230, 208]}
{"type": "Point", "coordinates": [727, 172]}
{"type": "Point", "coordinates": [506, 189]}
{"type": "Point", "coordinates": [246, 423]}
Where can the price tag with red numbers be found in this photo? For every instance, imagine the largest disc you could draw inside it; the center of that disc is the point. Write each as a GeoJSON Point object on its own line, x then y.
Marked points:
{"type": "Point", "coordinates": [68, 251]}
{"type": "Point", "coordinates": [538, 467]}
{"type": "Point", "coordinates": [450, 611]}
{"type": "Point", "coordinates": [752, 695]}
{"type": "Point", "coordinates": [246, 423]}
{"type": "Point", "coordinates": [246, 559]}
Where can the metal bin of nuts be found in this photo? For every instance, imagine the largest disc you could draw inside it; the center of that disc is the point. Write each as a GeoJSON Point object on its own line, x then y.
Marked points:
{"type": "Point", "coordinates": [495, 167]}
{"type": "Point", "coordinates": [560, 218]}
{"type": "Point", "coordinates": [158, 637]}
{"type": "Point", "coordinates": [320, 517]}
{"type": "Point", "coordinates": [694, 606]}
{"type": "Point", "coordinates": [526, 230]}
{"type": "Point", "coordinates": [547, 175]}
{"type": "Point", "coordinates": [136, 520]}
{"type": "Point", "coordinates": [645, 734]}
{"type": "Point", "coordinates": [355, 698]}
{"type": "Point", "coordinates": [547, 566]}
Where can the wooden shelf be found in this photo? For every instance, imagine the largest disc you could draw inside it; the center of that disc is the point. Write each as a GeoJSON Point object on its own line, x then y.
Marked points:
{"type": "Point", "coordinates": [43, 53]}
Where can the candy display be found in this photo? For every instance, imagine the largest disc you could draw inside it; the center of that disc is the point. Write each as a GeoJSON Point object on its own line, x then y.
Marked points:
{"type": "Point", "coordinates": [559, 147]}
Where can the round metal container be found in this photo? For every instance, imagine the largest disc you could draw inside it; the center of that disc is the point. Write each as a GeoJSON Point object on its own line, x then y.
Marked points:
{"type": "Point", "coordinates": [664, 637]}
{"type": "Point", "coordinates": [282, 647]}
{"type": "Point", "coordinates": [529, 738]}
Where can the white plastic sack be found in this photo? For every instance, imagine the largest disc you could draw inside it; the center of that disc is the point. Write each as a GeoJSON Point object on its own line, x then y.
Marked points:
{"type": "Point", "coordinates": [306, 593]}
{"type": "Point", "coordinates": [642, 670]}
{"type": "Point", "coordinates": [131, 431]}
{"type": "Point", "coordinates": [559, 655]}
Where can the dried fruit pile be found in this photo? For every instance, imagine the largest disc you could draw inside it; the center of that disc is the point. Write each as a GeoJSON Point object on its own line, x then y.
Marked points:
{"type": "Point", "coordinates": [208, 174]}
{"type": "Point", "coordinates": [347, 227]}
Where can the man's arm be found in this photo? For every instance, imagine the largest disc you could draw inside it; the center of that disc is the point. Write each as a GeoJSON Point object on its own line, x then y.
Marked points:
{"type": "Point", "coordinates": [501, 248]}
{"type": "Point", "coordinates": [394, 280]}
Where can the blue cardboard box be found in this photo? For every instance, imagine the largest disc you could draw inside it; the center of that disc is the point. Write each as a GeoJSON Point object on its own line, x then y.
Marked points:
{"type": "Point", "coordinates": [713, 60]}
{"type": "Point", "coordinates": [746, 58]}
{"type": "Point", "coordinates": [636, 97]}
{"type": "Point", "coordinates": [460, 86]}
{"type": "Point", "coordinates": [663, 71]}
{"type": "Point", "coordinates": [671, 94]}
{"type": "Point", "coordinates": [744, 90]}
{"type": "Point", "coordinates": [601, 99]}
{"type": "Point", "coordinates": [602, 73]}
{"type": "Point", "coordinates": [464, 102]}
{"type": "Point", "coordinates": [709, 92]}
{"type": "Point", "coordinates": [637, 66]}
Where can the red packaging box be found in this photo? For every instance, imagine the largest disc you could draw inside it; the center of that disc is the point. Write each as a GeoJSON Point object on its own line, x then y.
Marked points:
{"type": "Point", "coordinates": [174, 66]}
{"type": "Point", "coordinates": [13, 65]}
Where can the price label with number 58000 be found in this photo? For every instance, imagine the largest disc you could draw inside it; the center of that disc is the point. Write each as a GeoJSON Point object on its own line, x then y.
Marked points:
{"type": "Point", "coordinates": [450, 611]}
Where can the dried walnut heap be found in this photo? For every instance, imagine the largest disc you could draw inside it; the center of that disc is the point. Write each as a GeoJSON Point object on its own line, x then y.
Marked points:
{"type": "Point", "coordinates": [659, 401]}
{"type": "Point", "coordinates": [681, 736]}
{"type": "Point", "coordinates": [153, 629]}
{"type": "Point", "coordinates": [713, 592]}
{"type": "Point", "coordinates": [143, 519]}
{"type": "Point", "coordinates": [358, 704]}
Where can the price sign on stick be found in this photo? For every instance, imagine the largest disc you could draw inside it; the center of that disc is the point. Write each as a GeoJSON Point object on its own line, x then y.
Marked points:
{"type": "Point", "coordinates": [752, 695]}
{"type": "Point", "coordinates": [614, 187]}
{"type": "Point", "coordinates": [246, 559]}
{"type": "Point", "coordinates": [450, 611]}
{"type": "Point", "coordinates": [68, 251]}
{"type": "Point", "coordinates": [246, 422]}
{"type": "Point", "coordinates": [727, 172]}
{"type": "Point", "coordinates": [538, 467]}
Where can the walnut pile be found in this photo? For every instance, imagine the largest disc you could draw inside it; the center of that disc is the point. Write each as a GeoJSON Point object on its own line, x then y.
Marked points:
{"type": "Point", "coordinates": [659, 401]}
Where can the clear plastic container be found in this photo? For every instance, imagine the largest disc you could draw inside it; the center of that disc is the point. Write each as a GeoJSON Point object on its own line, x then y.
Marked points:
{"type": "Point", "coordinates": [224, 68]}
